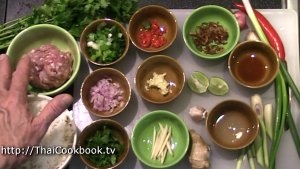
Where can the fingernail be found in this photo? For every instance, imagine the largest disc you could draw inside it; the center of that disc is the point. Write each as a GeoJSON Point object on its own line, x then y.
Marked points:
{"type": "Point", "coordinates": [2, 56]}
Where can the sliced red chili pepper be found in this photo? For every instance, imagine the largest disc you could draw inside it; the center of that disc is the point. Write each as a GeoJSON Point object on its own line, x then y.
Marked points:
{"type": "Point", "coordinates": [144, 38]}
{"type": "Point", "coordinates": [153, 36]}
{"type": "Point", "coordinates": [155, 43]}
{"type": "Point", "coordinates": [270, 32]}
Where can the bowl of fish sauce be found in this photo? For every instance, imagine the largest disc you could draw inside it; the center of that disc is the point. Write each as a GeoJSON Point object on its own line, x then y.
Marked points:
{"type": "Point", "coordinates": [253, 64]}
{"type": "Point", "coordinates": [232, 124]}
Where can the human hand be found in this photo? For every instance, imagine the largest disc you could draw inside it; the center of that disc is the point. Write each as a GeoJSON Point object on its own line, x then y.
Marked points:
{"type": "Point", "coordinates": [18, 127]}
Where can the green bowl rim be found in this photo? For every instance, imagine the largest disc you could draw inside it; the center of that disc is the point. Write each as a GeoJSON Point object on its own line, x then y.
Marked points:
{"type": "Point", "coordinates": [212, 56]}
{"type": "Point", "coordinates": [60, 29]}
{"type": "Point", "coordinates": [187, 135]}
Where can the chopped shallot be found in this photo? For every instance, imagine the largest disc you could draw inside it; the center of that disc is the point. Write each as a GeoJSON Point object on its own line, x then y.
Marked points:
{"type": "Point", "coordinates": [106, 95]}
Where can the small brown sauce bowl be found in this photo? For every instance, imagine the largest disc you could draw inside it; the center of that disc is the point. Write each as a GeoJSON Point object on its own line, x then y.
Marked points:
{"type": "Point", "coordinates": [160, 64]}
{"type": "Point", "coordinates": [92, 79]}
{"type": "Point", "coordinates": [253, 64]}
{"type": "Point", "coordinates": [92, 27]}
{"type": "Point", "coordinates": [117, 130]}
{"type": "Point", "coordinates": [147, 13]}
{"type": "Point", "coordinates": [232, 125]}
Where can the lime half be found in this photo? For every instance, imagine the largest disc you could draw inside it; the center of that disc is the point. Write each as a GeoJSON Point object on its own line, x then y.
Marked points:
{"type": "Point", "coordinates": [198, 82]}
{"type": "Point", "coordinates": [218, 86]}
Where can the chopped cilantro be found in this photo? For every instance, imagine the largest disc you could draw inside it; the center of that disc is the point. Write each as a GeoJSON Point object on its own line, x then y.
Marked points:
{"type": "Point", "coordinates": [104, 138]}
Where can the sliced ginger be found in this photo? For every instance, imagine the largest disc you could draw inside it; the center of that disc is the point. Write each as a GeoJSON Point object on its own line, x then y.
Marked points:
{"type": "Point", "coordinates": [161, 143]}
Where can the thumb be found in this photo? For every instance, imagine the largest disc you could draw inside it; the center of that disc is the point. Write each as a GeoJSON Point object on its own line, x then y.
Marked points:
{"type": "Point", "coordinates": [52, 110]}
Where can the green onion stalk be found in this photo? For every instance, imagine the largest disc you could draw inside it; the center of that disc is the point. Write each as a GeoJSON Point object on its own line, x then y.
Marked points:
{"type": "Point", "coordinates": [282, 105]}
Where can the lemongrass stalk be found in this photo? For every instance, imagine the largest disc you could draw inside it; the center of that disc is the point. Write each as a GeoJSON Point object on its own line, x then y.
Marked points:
{"type": "Point", "coordinates": [254, 21]}
{"type": "Point", "coordinates": [259, 151]}
{"type": "Point", "coordinates": [240, 159]}
{"type": "Point", "coordinates": [257, 106]}
{"type": "Point", "coordinates": [250, 157]}
{"type": "Point", "coordinates": [268, 119]}
{"type": "Point", "coordinates": [265, 144]}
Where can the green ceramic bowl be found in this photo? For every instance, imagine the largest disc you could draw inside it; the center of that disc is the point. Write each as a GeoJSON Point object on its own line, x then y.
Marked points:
{"type": "Point", "coordinates": [37, 35]}
{"type": "Point", "coordinates": [211, 13]}
{"type": "Point", "coordinates": [142, 135]}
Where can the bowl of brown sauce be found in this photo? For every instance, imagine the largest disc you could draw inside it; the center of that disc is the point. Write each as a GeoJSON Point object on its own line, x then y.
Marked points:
{"type": "Point", "coordinates": [232, 125]}
{"type": "Point", "coordinates": [253, 64]}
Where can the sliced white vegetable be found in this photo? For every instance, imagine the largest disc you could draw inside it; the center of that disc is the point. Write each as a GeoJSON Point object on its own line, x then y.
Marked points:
{"type": "Point", "coordinates": [165, 141]}
{"type": "Point", "coordinates": [161, 143]}
{"type": "Point", "coordinates": [163, 156]}
{"type": "Point", "coordinates": [160, 140]}
{"type": "Point", "coordinates": [153, 141]}
{"type": "Point", "coordinates": [169, 148]}
{"type": "Point", "coordinates": [92, 45]}
{"type": "Point", "coordinates": [268, 117]}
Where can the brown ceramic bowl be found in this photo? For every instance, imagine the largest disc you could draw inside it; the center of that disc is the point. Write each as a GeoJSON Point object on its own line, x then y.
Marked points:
{"type": "Point", "coordinates": [163, 16]}
{"type": "Point", "coordinates": [253, 64]}
{"type": "Point", "coordinates": [92, 27]}
{"type": "Point", "coordinates": [117, 130]}
{"type": "Point", "coordinates": [92, 79]}
{"type": "Point", "coordinates": [232, 125]}
{"type": "Point", "coordinates": [160, 64]}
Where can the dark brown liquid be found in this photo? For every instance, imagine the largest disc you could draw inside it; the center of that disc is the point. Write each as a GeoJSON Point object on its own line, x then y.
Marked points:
{"type": "Point", "coordinates": [232, 127]}
{"type": "Point", "coordinates": [252, 68]}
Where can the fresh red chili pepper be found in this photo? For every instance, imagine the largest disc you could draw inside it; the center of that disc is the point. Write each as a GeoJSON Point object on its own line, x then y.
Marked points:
{"type": "Point", "coordinates": [152, 35]}
{"type": "Point", "coordinates": [144, 38]}
{"type": "Point", "coordinates": [270, 32]}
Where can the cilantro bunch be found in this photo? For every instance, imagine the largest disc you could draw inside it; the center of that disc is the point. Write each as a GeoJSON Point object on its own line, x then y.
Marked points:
{"type": "Point", "coordinates": [72, 15]}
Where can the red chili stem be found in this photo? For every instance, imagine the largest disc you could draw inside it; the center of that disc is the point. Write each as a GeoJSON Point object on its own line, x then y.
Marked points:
{"type": "Point", "coordinates": [270, 32]}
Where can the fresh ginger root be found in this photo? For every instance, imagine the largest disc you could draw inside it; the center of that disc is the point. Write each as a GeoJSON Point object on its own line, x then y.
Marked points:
{"type": "Point", "coordinates": [199, 157]}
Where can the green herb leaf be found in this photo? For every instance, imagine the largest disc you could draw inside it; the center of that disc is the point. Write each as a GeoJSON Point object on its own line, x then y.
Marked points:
{"type": "Point", "coordinates": [104, 138]}
{"type": "Point", "coordinates": [72, 15]}
{"type": "Point", "coordinates": [147, 25]}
